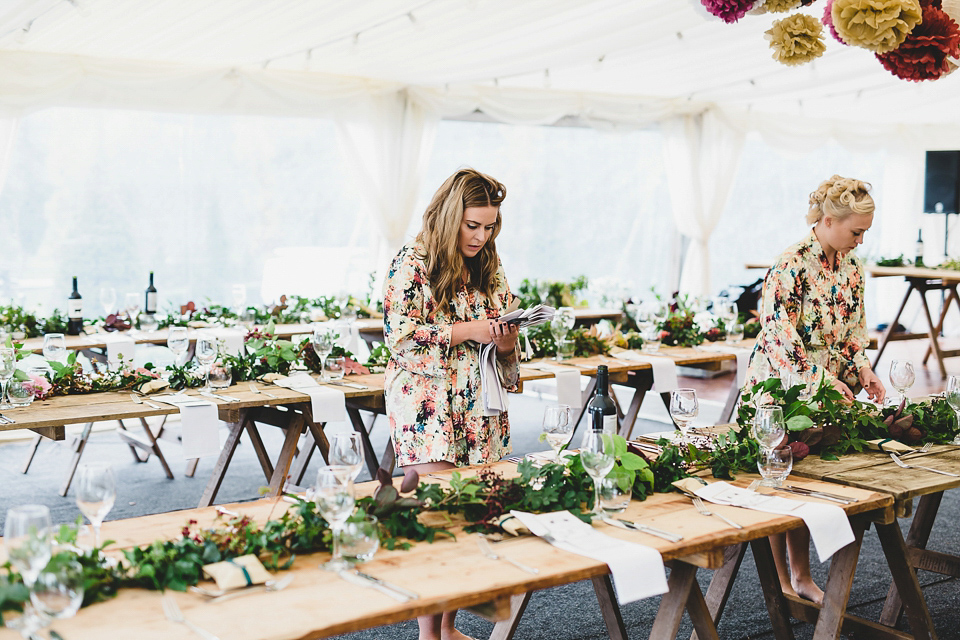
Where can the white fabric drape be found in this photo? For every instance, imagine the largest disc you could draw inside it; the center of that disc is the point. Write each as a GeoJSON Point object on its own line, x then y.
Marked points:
{"type": "Point", "coordinates": [701, 157]}
{"type": "Point", "coordinates": [387, 141]}
{"type": "Point", "coordinates": [8, 131]}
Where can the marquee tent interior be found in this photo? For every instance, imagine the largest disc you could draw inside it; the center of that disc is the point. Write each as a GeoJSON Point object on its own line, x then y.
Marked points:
{"type": "Point", "coordinates": [388, 71]}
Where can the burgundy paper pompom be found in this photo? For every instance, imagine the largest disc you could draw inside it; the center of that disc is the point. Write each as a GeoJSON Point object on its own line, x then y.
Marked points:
{"type": "Point", "coordinates": [728, 10]}
{"type": "Point", "coordinates": [827, 21]}
{"type": "Point", "coordinates": [923, 55]}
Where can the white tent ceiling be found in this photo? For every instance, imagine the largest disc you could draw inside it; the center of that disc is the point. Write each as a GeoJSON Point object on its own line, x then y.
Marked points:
{"type": "Point", "coordinates": [643, 59]}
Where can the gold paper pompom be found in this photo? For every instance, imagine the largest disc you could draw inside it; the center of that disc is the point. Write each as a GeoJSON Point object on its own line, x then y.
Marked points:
{"type": "Point", "coordinates": [796, 39]}
{"type": "Point", "coordinates": [780, 6]}
{"type": "Point", "coordinates": [878, 25]}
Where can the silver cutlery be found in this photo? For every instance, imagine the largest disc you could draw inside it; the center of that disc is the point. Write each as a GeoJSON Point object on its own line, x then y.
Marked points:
{"type": "Point", "coordinates": [365, 580]}
{"type": "Point", "coordinates": [488, 551]}
{"type": "Point", "coordinates": [702, 510]}
{"type": "Point", "coordinates": [753, 485]}
{"type": "Point", "coordinates": [172, 611]}
{"type": "Point", "coordinates": [653, 531]}
{"type": "Point", "coordinates": [904, 465]}
{"type": "Point", "coordinates": [925, 449]}
{"type": "Point", "coordinates": [813, 494]}
{"type": "Point", "coordinates": [258, 391]}
{"type": "Point", "coordinates": [138, 400]}
{"type": "Point", "coordinates": [211, 394]}
{"type": "Point", "coordinates": [5, 420]}
{"type": "Point", "coordinates": [819, 492]}
{"type": "Point", "coordinates": [352, 385]}
{"type": "Point", "coordinates": [269, 585]}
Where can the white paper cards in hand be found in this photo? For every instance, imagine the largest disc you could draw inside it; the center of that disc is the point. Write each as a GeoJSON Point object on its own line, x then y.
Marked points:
{"type": "Point", "coordinates": [530, 317]}
{"type": "Point", "coordinates": [493, 394]}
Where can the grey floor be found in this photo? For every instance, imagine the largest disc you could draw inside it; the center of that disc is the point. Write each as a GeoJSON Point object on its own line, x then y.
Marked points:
{"type": "Point", "coordinates": [563, 613]}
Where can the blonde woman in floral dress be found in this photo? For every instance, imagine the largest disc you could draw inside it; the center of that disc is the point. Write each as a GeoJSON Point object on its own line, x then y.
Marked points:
{"type": "Point", "coordinates": [443, 294]}
{"type": "Point", "coordinates": [814, 326]}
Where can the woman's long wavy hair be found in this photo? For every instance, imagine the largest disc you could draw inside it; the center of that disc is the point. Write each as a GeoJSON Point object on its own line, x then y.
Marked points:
{"type": "Point", "coordinates": [441, 233]}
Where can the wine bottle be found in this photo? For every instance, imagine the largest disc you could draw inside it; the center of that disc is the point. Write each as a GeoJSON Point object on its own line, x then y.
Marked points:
{"type": "Point", "coordinates": [918, 260]}
{"type": "Point", "coordinates": [603, 412]}
{"type": "Point", "coordinates": [150, 305]}
{"type": "Point", "coordinates": [75, 311]}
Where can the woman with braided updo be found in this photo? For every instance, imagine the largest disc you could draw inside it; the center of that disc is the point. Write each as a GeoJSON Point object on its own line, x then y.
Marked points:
{"type": "Point", "coordinates": [813, 325]}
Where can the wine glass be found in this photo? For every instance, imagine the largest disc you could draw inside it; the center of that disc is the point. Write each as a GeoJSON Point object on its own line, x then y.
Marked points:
{"type": "Point", "coordinates": [108, 300]}
{"type": "Point", "coordinates": [8, 364]}
{"type": "Point", "coordinates": [952, 394]}
{"type": "Point", "coordinates": [178, 341]}
{"type": "Point", "coordinates": [768, 426]}
{"type": "Point", "coordinates": [323, 340]}
{"type": "Point", "coordinates": [346, 450]}
{"type": "Point", "coordinates": [683, 409]}
{"type": "Point", "coordinates": [239, 292]}
{"type": "Point", "coordinates": [131, 306]}
{"type": "Point", "coordinates": [561, 324]}
{"type": "Point", "coordinates": [96, 493]}
{"type": "Point", "coordinates": [902, 376]}
{"type": "Point", "coordinates": [58, 591]}
{"type": "Point", "coordinates": [543, 290]}
{"type": "Point", "coordinates": [790, 379]}
{"type": "Point", "coordinates": [557, 427]}
{"type": "Point", "coordinates": [597, 457]}
{"type": "Point", "coordinates": [333, 496]}
{"type": "Point", "coordinates": [27, 539]}
{"type": "Point", "coordinates": [206, 353]}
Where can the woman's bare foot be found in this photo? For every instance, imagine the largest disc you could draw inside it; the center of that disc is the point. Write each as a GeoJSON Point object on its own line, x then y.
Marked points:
{"type": "Point", "coordinates": [787, 589]}
{"type": "Point", "coordinates": [808, 589]}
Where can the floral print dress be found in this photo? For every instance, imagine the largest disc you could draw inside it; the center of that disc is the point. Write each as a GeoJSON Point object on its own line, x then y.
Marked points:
{"type": "Point", "coordinates": [432, 388]}
{"type": "Point", "coordinates": [812, 318]}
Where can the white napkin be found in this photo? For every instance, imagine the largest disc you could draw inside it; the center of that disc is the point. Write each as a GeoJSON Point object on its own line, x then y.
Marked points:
{"type": "Point", "coordinates": [743, 358]}
{"type": "Point", "coordinates": [664, 369]}
{"type": "Point", "coordinates": [232, 340]}
{"type": "Point", "coordinates": [568, 383]}
{"type": "Point", "coordinates": [494, 395]}
{"type": "Point", "coordinates": [637, 569]}
{"type": "Point", "coordinates": [120, 347]}
{"type": "Point", "coordinates": [828, 524]}
{"type": "Point", "coordinates": [200, 425]}
{"type": "Point", "coordinates": [328, 405]}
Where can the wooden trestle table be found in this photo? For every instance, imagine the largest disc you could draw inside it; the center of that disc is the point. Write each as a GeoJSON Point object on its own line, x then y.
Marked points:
{"type": "Point", "coordinates": [452, 574]}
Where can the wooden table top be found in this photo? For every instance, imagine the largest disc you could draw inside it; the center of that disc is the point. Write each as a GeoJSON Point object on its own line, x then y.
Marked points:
{"type": "Point", "coordinates": [448, 574]}
{"type": "Point", "coordinates": [887, 272]}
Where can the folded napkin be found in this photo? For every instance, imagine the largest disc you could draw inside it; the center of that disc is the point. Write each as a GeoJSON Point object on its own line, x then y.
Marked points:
{"type": "Point", "coordinates": [664, 369]}
{"type": "Point", "coordinates": [637, 569]}
{"type": "Point", "coordinates": [328, 405]}
{"type": "Point", "coordinates": [200, 425]}
{"type": "Point", "coordinates": [120, 348]}
{"type": "Point", "coordinates": [828, 524]}
{"type": "Point", "coordinates": [154, 385]}
{"type": "Point", "coordinates": [743, 358]}
{"type": "Point", "coordinates": [240, 572]}
{"type": "Point", "coordinates": [889, 445]}
{"type": "Point", "coordinates": [494, 395]}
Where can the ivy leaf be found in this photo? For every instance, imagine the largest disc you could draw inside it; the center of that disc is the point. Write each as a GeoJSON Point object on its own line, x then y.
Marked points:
{"type": "Point", "coordinates": [799, 423]}
{"type": "Point", "coordinates": [633, 462]}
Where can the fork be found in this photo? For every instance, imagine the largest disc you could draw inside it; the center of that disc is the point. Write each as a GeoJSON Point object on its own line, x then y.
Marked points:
{"type": "Point", "coordinates": [172, 611]}
{"type": "Point", "coordinates": [138, 400]}
{"type": "Point", "coordinates": [5, 420]}
{"type": "Point", "coordinates": [904, 465]}
{"type": "Point", "coordinates": [924, 449]}
{"type": "Point", "coordinates": [488, 551]}
{"type": "Point", "coordinates": [702, 510]}
{"type": "Point", "coordinates": [255, 389]}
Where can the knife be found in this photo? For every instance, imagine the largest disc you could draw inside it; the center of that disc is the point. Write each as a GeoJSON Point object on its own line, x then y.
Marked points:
{"type": "Point", "coordinates": [653, 531]}
{"type": "Point", "coordinates": [814, 494]}
{"type": "Point", "coordinates": [413, 595]}
{"type": "Point", "coordinates": [357, 579]}
{"type": "Point", "coordinates": [352, 385]}
{"type": "Point", "coordinates": [823, 493]}
{"type": "Point", "coordinates": [210, 394]}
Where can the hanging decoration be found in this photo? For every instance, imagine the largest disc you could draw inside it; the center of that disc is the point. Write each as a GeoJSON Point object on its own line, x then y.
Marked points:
{"type": "Point", "coordinates": [796, 39]}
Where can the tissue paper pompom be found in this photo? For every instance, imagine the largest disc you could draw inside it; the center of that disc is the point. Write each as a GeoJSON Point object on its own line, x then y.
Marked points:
{"type": "Point", "coordinates": [828, 21]}
{"type": "Point", "coordinates": [780, 6]}
{"type": "Point", "coordinates": [728, 10]}
{"type": "Point", "coordinates": [796, 39]}
{"type": "Point", "coordinates": [877, 25]}
{"type": "Point", "coordinates": [923, 55]}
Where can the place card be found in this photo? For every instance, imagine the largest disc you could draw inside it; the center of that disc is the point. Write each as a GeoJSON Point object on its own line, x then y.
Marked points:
{"type": "Point", "coordinates": [664, 369]}
{"type": "Point", "coordinates": [637, 569]}
{"type": "Point", "coordinates": [327, 405]}
{"type": "Point", "coordinates": [828, 524]}
{"type": "Point", "coordinates": [120, 348]}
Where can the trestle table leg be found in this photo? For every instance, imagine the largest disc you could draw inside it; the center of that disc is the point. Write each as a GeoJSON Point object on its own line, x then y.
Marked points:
{"type": "Point", "coordinates": [905, 578]}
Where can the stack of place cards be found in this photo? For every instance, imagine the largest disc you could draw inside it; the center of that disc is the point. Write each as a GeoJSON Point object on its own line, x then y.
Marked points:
{"type": "Point", "coordinates": [327, 405]}
{"type": "Point", "coordinates": [529, 317]}
{"type": "Point", "coordinates": [200, 424]}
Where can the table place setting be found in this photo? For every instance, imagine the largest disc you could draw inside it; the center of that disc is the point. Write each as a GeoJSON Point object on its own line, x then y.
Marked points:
{"type": "Point", "coordinates": [568, 381]}
{"type": "Point", "coordinates": [742, 354]}
{"type": "Point", "coordinates": [664, 368]}
{"type": "Point", "coordinates": [201, 424]}
{"type": "Point", "coordinates": [327, 405]}
{"type": "Point", "coordinates": [637, 570]}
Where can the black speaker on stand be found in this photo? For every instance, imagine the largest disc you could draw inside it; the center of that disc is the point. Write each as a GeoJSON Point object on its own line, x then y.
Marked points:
{"type": "Point", "coordinates": [941, 193]}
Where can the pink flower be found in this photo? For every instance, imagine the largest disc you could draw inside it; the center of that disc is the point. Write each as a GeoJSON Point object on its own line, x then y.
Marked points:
{"type": "Point", "coordinates": [38, 385]}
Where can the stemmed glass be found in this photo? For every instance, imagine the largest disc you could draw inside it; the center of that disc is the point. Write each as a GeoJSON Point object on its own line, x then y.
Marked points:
{"type": "Point", "coordinates": [543, 290]}
{"type": "Point", "coordinates": [178, 340]}
{"type": "Point", "coordinates": [54, 347]}
{"type": "Point", "coordinates": [902, 376]}
{"type": "Point", "coordinates": [206, 354]}
{"type": "Point", "coordinates": [96, 493]}
{"type": "Point", "coordinates": [239, 292]}
{"type": "Point", "coordinates": [131, 305]}
{"type": "Point", "coordinates": [726, 310]}
{"type": "Point", "coordinates": [108, 300]}
{"type": "Point", "coordinates": [8, 364]}
{"type": "Point", "coordinates": [562, 322]}
{"type": "Point", "coordinates": [346, 450]}
{"type": "Point", "coordinates": [27, 539]}
{"type": "Point", "coordinates": [333, 496]}
{"type": "Point", "coordinates": [323, 340]}
{"type": "Point", "coordinates": [683, 409]}
{"type": "Point", "coordinates": [952, 394]}
{"type": "Point", "coordinates": [557, 427]}
{"type": "Point", "coordinates": [768, 426]}
{"type": "Point", "coordinates": [597, 457]}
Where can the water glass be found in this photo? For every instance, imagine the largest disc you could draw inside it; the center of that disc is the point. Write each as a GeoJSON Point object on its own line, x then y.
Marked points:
{"type": "Point", "coordinates": [219, 376]}
{"type": "Point", "coordinates": [55, 347]}
{"type": "Point", "coordinates": [615, 493]}
{"type": "Point", "coordinates": [651, 338]}
{"type": "Point", "coordinates": [902, 376]}
{"type": "Point", "coordinates": [333, 368]}
{"type": "Point", "coordinates": [734, 333]}
{"type": "Point", "coordinates": [8, 364]}
{"type": "Point", "coordinates": [20, 393]}
{"type": "Point", "coordinates": [239, 293]}
{"type": "Point", "coordinates": [27, 539]}
{"type": "Point", "coordinates": [131, 306]}
{"type": "Point", "coordinates": [597, 456]}
{"type": "Point", "coordinates": [360, 538]}
{"type": "Point", "coordinates": [775, 465]}
{"type": "Point", "coordinates": [561, 324]}
{"type": "Point", "coordinates": [178, 341]}
{"type": "Point", "coordinates": [96, 493]}
{"type": "Point", "coordinates": [333, 495]}
{"type": "Point", "coordinates": [683, 409]}
{"type": "Point", "coordinates": [346, 450]}
{"type": "Point", "coordinates": [768, 426]}
{"type": "Point", "coordinates": [322, 340]}
{"type": "Point", "coordinates": [790, 379]}
{"type": "Point", "coordinates": [58, 590]}
{"type": "Point", "coordinates": [952, 395]}
{"type": "Point", "coordinates": [557, 427]}
{"type": "Point", "coordinates": [566, 348]}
